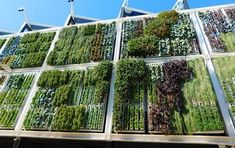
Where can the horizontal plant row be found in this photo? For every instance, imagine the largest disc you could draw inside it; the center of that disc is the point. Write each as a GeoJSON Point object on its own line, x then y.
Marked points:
{"type": "Point", "coordinates": [84, 44]}
{"type": "Point", "coordinates": [179, 95]}
{"type": "Point", "coordinates": [70, 100]}
{"type": "Point", "coordinates": [27, 51]}
{"type": "Point", "coordinates": [12, 97]}
{"type": "Point", "coordinates": [169, 34]}
{"type": "Point", "coordinates": [219, 29]}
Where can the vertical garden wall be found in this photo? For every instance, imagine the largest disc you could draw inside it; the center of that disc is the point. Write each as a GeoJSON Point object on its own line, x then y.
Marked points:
{"type": "Point", "coordinates": [161, 84]}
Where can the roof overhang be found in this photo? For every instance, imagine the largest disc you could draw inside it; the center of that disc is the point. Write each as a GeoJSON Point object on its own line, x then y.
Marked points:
{"type": "Point", "coordinates": [33, 27]}
{"type": "Point", "coordinates": [130, 12]}
{"type": "Point", "coordinates": [71, 20]}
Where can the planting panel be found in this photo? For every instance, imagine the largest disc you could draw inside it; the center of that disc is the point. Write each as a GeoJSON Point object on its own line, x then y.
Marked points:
{"type": "Point", "coordinates": [219, 27]}
{"type": "Point", "coordinates": [183, 94]}
{"type": "Point", "coordinates": [169, 34]}
{"type": "Point", "coordinates": [128, 112]}
{"type": "Point", "coordinates": [12, 96]}
{"type": "Point", "coordinates": [27, 51]}
{"type": "Point", "coordinates": [70, 100]}
{"type": "Point", "coordinates": [225, 71]}
{"type": "Point", "coordinates": [84, 44]}
{"type": "Point", "coordinates": [160, 83]}
{"type": "Point", "coordinates": [179, 94]}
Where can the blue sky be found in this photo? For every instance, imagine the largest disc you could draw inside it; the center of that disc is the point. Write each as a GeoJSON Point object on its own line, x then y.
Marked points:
{"type": "Point", "coordinates": [54, 12]}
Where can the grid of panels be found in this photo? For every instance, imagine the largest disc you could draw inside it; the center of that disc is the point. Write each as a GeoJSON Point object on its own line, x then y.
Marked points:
{"type": "Point", "coordinates": [101, 46]}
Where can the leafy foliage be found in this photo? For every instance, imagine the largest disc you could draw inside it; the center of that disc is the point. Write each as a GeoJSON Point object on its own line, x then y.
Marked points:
{"type": "Point", "coordinates": [180, 97]}
{"type": "Point", "coordinates": [161, 25]}
{"type": "Point", "coordinates": [147, 45]}
{"type": "Point", "coordinates": [68, 118]}
{"type": "Point", "coordinates": [84, 44]}
{"type": "Point", "coordinates": [195, 109]}
{"type": "Point", "coordinates": [34, 59]}
{"type": "Point", "coordinates": [225, 71]}
{"type": "Point", "coordinates": [11, 46]}
{"type": "Point", "coordinates": [229, 41]}
{"type": "Point", "coordinates": [62, 95]}
{"type": "Point", "coordinates": [215, 23]}
{"type": "Point", "coordinates": [129, 74]}
{"type": "Point", "coordinates": [102, 75]}
{"type": "Point", "coordinates": [131, 30]}
{"type": "Point", "coordinates": [70, 100]}
{"type": "Point", "coordinates": [169, 34]}
{"type": "Point", "coordinates": [169, 94]}
{"type": "Point", "coordinates": [28, 51]}
{"type": "Point", "coordinates": [12, 98]}
{"type": "Point", "coordinates": [53, 78]}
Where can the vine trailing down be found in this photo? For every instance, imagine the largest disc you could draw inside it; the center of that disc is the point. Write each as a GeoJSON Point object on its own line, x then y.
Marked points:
{"type": "Point", "coordinates": [179, 93]}
{"type": "Point", "coordinates": [70, 100]}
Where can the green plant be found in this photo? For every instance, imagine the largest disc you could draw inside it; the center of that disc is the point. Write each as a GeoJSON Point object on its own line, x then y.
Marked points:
{"type": "Point", "coordinates": [2, 97]}
{"type": "Point", "coordinates": [70, 100]}
{"type": "Point", "coordinates": [68, 118]}
{"type": "Point", "coordinates": [62, 96]}
{"type": "Point", "coordinates": [12, 97]}
{"type": "Point", "coordinates": [233, 110]}
{"type": "Point", "coordinates": [28, 51]}
{"type": "Point", "coordinates": [28, 38]}
{"type": "Point", "coordinates": [67, 32]}
{"type": "Point", "coordinates": [228, 40]}
{"type": "Point", "coordinates": [53, 78]}
{"type": "Point", "coordinates": [143, 46]}
{"type": "Point", "coordinates": [161, 25]}
{"type": "Point", "coordinates": [131, 74]}
{"type": "Point", "coordinates": [83, 44]}
{"type": "Point", "coordinates": [102, 75]}
{"type": "Point", "coordinates": [204, 101]}
{"type": "Point", "coordinates": [34, 59]}
{"type": "Point", "coordinates": [225, 72]}
{"type": "Point", "coordinates": [88, 30]}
